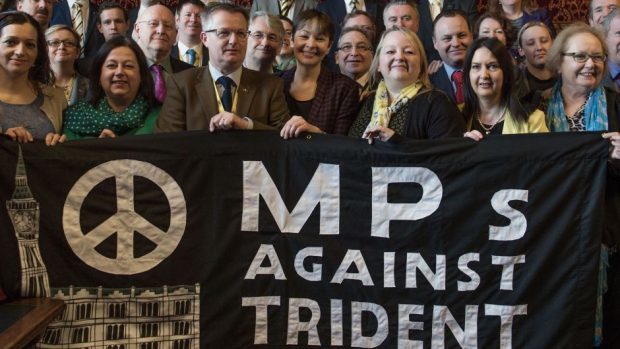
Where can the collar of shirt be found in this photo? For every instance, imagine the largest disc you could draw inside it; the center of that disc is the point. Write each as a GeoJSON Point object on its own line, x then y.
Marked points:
{"type": "Point", "coordinates": [183, 49]}
{"type": "Point", "coordinates": [361, 5]}
{"type": "Point", "coordinates": [363, 79]}
{"type": "Point", "coordinates": [235, 76]}
{"type": "Point", "coordinates": [614, 70]}
{"type": "Point", "coordinates": [165, 63]}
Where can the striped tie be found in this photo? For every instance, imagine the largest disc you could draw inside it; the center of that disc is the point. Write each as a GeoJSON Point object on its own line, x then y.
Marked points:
{"type": "Point", "coordinates": [285, 6]}
{"type": "Point", "coordinates": [353, 4]}
{"type": "Point", "coordinates": [77, 20]}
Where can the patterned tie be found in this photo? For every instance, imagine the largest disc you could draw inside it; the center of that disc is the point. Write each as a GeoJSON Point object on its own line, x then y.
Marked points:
{"type": "Point", "coordinates": [77, 20]}
{"type": "Point", "coordinates": [160, 82]}
{"type": "Point", "coordinates": [353, 4]}
{"type": "Point", "coordinates": [435, 7]}
{"type": "Point", "coordinates": [457, 77]}
{"type": "Point", "coordinates": [191, 56]}
{"type": "Point", "coordinates": [285, 6]}
{"type": "Point", "coordinates": [226, 82]}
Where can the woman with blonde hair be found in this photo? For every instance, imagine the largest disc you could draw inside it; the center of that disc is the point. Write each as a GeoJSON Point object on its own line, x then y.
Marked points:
{"type": "Point", "coordinates": [405, 104]}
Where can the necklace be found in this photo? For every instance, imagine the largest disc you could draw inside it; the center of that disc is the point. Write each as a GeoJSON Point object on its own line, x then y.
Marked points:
{"type": "Point", "coordinates": [67, 89]}
{"type": "Point", "coordinates": [487, 129]}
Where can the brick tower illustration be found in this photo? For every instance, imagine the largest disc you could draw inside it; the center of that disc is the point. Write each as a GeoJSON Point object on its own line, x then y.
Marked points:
{"type": "Point", "coordinates": [24, 212]}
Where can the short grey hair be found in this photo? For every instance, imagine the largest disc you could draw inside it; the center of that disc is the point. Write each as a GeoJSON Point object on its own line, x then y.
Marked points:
{"type": "Point", "coordinates": [273, 22]}
{"type": "Point", "coordinates": [610, 17]}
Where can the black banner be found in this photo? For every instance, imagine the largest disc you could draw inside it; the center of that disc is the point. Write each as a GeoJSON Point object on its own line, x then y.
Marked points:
{"type": "Point", "coordinates": [241, 239]}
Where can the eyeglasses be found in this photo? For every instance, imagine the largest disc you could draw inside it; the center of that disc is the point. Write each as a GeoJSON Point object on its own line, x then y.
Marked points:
{"type": "Point", "coordinates": [349, 48]}
{"type": "Point", "coordinates": [57, 43]}
{"type": "Point", "coordinates": [225, 34]}
{"type": "Point", "coordinates": [580, 57]}
{"type": "Point", "coordinates": [258, 35]}
{"type": "Point", "coordinates": [155, 24]}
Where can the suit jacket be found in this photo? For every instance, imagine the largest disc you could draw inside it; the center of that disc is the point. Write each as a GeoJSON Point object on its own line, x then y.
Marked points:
{"type": "Point", "coordinates": [336, 10]}
{"type": "Point", "coordinates": [61, 14]}
{"type": "Point", "coordinates": [273, 7]}
{"type": "Point", "coordinates": [335, 103]}
{"type": "Point", "coordinates": [443, 82]}
{"type": "Point", "coordinates": [191, 101]}
{"type": "Point", "coordinates": [205, 54]}
{"type": "Point", "coordinates": [426, 22]}
{"type": "Point", "coordinates": [178, 65]}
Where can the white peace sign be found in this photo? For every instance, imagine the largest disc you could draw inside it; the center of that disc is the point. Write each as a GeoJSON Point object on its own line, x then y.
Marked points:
{"type": "Point", "coordinates": [125, 221]}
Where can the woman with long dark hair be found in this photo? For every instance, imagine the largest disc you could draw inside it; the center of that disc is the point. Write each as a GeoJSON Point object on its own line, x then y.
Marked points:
{"type": "Point", "coordinates": [491, 104]}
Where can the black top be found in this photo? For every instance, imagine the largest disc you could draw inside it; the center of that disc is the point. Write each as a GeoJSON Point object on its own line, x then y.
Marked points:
{"type": "Point", "coordinates": [301, 108]}
{"type": "Point", "coordinates": [430, 115]}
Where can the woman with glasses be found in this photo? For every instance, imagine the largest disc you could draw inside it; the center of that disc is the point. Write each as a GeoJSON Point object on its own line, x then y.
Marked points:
{"type": "Point", "coordinates": [63, 46]}
{"type": "Point", "coordinates": [122, 98]}
{"type": "Point", "coordinates": [29, 108]}
{"type": "Point", "coordinates": [319, 101]}
{"type": "Point", "coordinates": [580, 103]}
{"type": "Point", "coordinates": [491, 105]}
{"type": "Point", "coordinates": [405, 105]}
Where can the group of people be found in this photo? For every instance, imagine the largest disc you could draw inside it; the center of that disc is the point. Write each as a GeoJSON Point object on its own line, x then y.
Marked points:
{"type": "Point", "coordinates": [384, 71]}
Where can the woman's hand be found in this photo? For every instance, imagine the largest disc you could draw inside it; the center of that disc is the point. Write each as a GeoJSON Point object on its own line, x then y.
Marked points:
{"type": "Point", "coordinates": [378, 132]}
{"type": "Point", "coordinates": [614, 139]}
{"type": "Point", "coordinates": [106, 133]}
{"type": "Point", "coordinates": [53, 138]}
{"type": "Point", "coordinates": [19, 134]}
{"type": "Point", "coordinates": [475, 135]}
{"type": "Point", "coordinates": [433, 67]}
{"type": "Point", "coordinates": [295, 126]}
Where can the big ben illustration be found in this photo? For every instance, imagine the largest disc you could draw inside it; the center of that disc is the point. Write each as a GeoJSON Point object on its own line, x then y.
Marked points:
{"type": "Point", "coordinates": [24, 212]}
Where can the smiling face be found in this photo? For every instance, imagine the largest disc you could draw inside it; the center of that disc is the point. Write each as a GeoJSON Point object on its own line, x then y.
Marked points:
{"type": "Point", "coordinates": [226, 54]}
{"type": "Point", "coordinates": [486, 75]}
{"type": "Point", "coordinates": [354, 54]}
{"type": "Point", "coordinates": [263, 50]}
{"type": "Point", "coordinates": [310, 46]}
{"type": "Point", "coordinates": [67, 52]}
{"type": "Point", "coordinates": [535, 43]}
{"type": "Point", "coordinates": [587, 75]}
{"type": "Point", "coordinates": [452, 38]}
{"type": "Point", "coordinates": [18, 49]}
{"type": "Point", "coordinates": [156, 32]}
{"type": "Point", "coordinates": [399, 60]}
{"type": "Point", "coordinates": [120, 76]}
{"type": "Point", "coordinates": [490, 28]}
{"type": "Point", "coordinates": [287, 44]}
{"type": "Point", "coordinates": [188, 21]}
{"type": "Point", "coordinates": [599, 9]}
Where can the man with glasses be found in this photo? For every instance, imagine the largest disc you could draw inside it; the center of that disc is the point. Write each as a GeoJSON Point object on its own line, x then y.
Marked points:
{"type": "Point", "coordinates": [41, 10]}
{"type": "Point", "coordinates": [223, 95]}
{"type": "Point", "coordinates": [189, 47]}
{"type": "Point", "coordinates": [354, 55]}
{"type": "Point", "coordinates": [264, 42]}
{"type": "Point", "coordinates": [156, 33]}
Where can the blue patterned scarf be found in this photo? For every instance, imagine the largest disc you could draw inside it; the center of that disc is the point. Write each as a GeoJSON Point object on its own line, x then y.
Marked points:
{"type": "Point", "coordinates": [594, 116]}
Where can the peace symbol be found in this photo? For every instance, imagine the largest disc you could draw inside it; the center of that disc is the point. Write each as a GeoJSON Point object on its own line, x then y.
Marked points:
{"type": "Point", "coordinates": [125, 221]}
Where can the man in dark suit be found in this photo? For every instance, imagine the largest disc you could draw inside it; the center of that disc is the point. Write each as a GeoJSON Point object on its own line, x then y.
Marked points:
{"type": "Point", "coordinates": [223, 95]}
{"type": "Point", "coordinates": [189, 47]}
{"type": "Point", "coordinates": [288, 8]}
{"type": "Point", "coordinates": [451, 38]}
{"type": "Point", "coordinates": [337, 10]}
{"type": "Point", "coordinates": [62, 14]}
{"type": "Point", "coordinates": [611, 28]}
{"type": "Point", "coordinates": [427, 16]}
